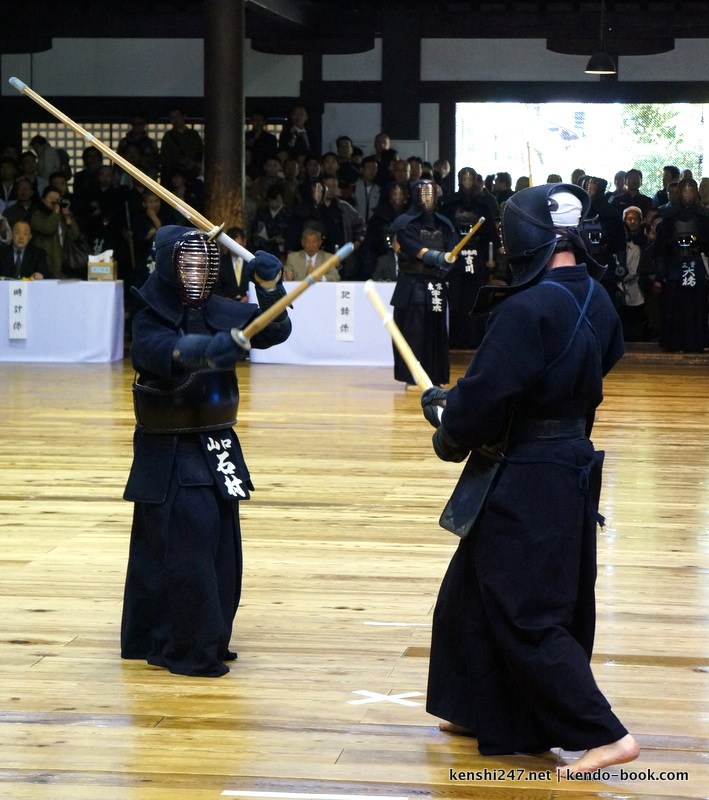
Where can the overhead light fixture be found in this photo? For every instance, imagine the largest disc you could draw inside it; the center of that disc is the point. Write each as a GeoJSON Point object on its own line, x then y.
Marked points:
{"type": "Point", "coordinates": [601, 63]}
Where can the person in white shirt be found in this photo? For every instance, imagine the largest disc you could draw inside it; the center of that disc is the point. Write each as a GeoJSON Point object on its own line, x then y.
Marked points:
{"type": "Point", "coordinates": [234, 274]}
{"type": "Point", "coordinates": [367, 191]}
{"type": "Point", "coordinates": [48, 160]}
{"type": "Point", "coordinates": [632, 305]}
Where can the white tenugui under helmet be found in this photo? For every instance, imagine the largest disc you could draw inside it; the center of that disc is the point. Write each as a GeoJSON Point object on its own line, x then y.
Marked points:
{"type": "Point", "coordinates": [565, 209]}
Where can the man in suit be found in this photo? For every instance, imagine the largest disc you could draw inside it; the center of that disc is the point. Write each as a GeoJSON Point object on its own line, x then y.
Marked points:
{"type": "Point", "coordinates": [181, 149]}
{"type": "Point", "coordinates": [22, 258]}
{"type": "Point", "coordinates": [233, 278]}
{"type": "Point", "coordinates": [24, 205]}
{"type": "Point", "coordinates": [302, 262]}
{"type": "Point", "coordinates": [259, 142]}
{"type": "Point", "coordinates": [298, 139]}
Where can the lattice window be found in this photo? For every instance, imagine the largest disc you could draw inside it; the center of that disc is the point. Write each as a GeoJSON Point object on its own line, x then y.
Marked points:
{"type": "Point", "coordinates": [60, 136]}
{"type": "Point", "coordinates": [110, 133]}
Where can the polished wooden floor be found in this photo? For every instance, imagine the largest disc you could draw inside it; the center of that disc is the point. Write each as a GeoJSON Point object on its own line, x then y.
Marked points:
{"type": "Point", "coordinates": [343, 558]}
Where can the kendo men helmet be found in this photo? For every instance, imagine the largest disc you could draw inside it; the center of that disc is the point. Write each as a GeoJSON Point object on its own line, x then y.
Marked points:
{"type": "Point", "coordinates": [424, 194]}
{"type": "Point", "coordinates": [466, 179]}
{"type": "Point", "coordinates": [534, 221]}
{"type": "Point", "coordinates": [186, 259]}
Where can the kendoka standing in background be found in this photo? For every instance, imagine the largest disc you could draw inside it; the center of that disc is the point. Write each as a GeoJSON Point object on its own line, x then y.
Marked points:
{"type": "Point", "coordinates": [420, 298]}
{"type": "Point", "coordinates": [476, 263]}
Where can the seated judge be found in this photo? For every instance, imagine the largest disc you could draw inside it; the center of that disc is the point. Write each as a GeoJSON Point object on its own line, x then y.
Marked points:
{"type": "Point", "coordinates": [22, 258]}
{"type": "Point", "coordinates": [233, 278]}
{"type": "Point", "coordinates": [301, 263]}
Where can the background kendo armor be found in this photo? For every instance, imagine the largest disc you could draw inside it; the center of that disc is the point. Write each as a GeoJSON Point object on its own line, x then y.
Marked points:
{"type": "Point", "coordinates": [604, 236]}
{"type": "Point", "coordinates": [420, 297]}
{"type": "Point", "coordinates": [682, 247]}
{"type": "Point", "coordinates": [471, 271]}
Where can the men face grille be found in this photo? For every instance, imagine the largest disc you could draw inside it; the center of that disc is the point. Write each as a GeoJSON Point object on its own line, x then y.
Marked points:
{"type": "Point", "coordinates": [197, 266]}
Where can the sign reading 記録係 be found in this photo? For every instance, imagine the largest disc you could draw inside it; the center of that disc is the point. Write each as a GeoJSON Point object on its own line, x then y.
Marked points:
{"type": "Point", "coordinates": [344, 314]}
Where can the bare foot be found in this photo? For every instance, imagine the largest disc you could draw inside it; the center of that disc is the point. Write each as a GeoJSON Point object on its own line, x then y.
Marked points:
{"type": "Point", "coordinates": [457, 730]}
{"type": "Point", "coordinates": [620, 752]}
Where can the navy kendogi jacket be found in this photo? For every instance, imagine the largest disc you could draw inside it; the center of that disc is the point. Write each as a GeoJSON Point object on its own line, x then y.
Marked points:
{"type": "Point", "coordinates": [525, 334]}
{"type": "Point", "coordinates": [156, 329]}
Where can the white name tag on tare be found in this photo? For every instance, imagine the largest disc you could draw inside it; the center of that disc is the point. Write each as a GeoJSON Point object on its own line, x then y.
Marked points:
{"type": "Point", "coordinates": [17, 309]}
{"type": "Point", "coordinates": [344, 313]}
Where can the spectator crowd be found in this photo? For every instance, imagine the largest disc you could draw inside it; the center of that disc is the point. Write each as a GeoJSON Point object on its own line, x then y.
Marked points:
{"type": "Point", "coordinates": [301, 203]}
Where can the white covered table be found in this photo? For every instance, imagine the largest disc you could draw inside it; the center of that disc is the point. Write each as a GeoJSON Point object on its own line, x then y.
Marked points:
{"type": "Point", "coordinates": [64, 321]}
{"type": "Point", "coordinates": [322, 317]}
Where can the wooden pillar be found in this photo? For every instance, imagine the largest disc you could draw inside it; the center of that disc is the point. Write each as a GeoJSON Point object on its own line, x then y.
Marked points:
{"type": "Point", "coordinates": [446, 134]}
{"type": "Point", "coordinates": [311, 91]}
{"type": "Point", "coordinates": [224, 116]}
{"type": "Point", "coordinates": [401, 70]}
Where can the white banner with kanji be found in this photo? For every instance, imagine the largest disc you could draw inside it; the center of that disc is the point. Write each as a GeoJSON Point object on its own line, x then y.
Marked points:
{"type": "Point", "coordinates": [17, 309]}
{"type": "Point", "coordinates": [344, 313]}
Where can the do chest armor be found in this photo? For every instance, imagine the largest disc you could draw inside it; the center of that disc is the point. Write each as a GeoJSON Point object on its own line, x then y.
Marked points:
{"type": "Point", "coordinates": [592, 234]}
{"type": "Point", "coordinates": [433, 239]}
{"type": "Point", "coordinates": [687, 266]}
{"type": "Point", "coordinates": [464, 219]}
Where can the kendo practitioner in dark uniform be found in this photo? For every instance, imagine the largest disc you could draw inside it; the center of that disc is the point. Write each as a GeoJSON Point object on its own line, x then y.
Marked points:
{"type": "Point", "coordinates": [420, 296]}
{"type": "Point", "coordinates": [514, 623]}
{"type": "Point", "coordinates": [472, 269]}
{"type": "Point", "coordinates": [188, 475]}
{"type": "Point", "coordinates": [604, 237]}
{"type": "Point", "coordinates": [682, 239]}
{"type": "Point", "coordinates": [378, 254]}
